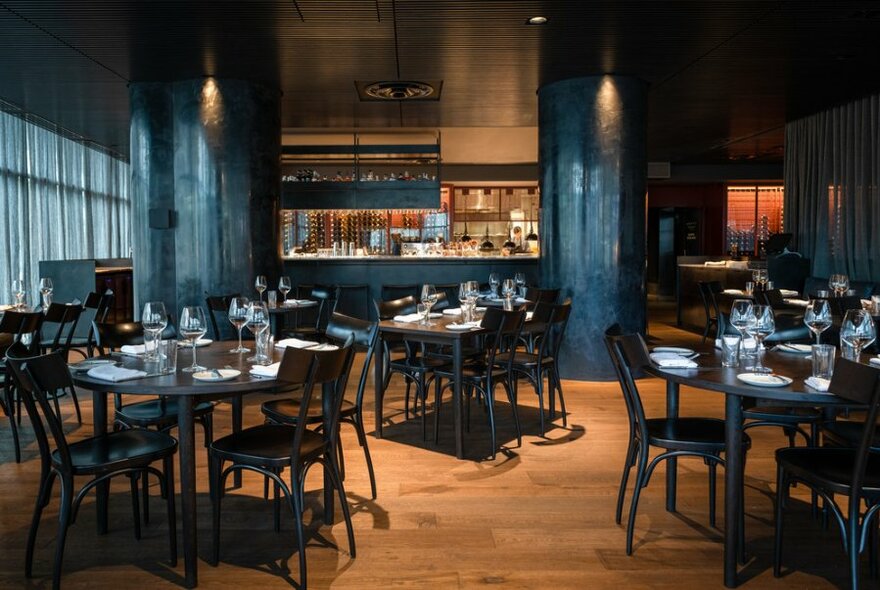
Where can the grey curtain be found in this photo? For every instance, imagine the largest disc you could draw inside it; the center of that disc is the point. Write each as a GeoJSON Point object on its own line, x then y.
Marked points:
{"type": "Point", "coordinates": [60, 200]}
{"type": "Point", "coordinates": [832, 171]}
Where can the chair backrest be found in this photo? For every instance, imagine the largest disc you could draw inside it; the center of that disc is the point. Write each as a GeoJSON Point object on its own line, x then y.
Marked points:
{"type": "Point", "coordinates": [114, 336]}
{"type": "Point", "coordinates": [391, 292]}
{"type": "Point", "coordinates": [840, 305]}
{"type": "Point", "coordinates": [23, 326]}
{"type": "Point", "coordinates": [774, 298]}
{"type": "Point", "coordinates": [504, 330]}
{"type": "Point", "coordinates": [218, 305]}
{"type": "Point", "coordinates": [323, 294]}
{"type": "Point", "coordinates": [556, 333]}
{"type": "Point", "coordinates": [310, 368]}
{"type": "Point", "coordinates": [385, 310]}
{"type": "Point", "coordinates": [859, 383]}
{"type": "Point", "coordinates": [537, 295]}
{"type": "Point", "coordinates": [88, 315]}
{"type": "Point", "coordinates": [365, 335]}
{"type": "Point", "coordinates": [59, 324]}
{"type": "Point", "coordinates": [38, 377]}
{"type": "Point", "coordinates": [628, 355]}
{"type": "Point", "coordinates": [442, 301]}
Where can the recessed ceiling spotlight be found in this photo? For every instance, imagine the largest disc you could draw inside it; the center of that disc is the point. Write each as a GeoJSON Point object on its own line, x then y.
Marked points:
{"type": "Point", "coordinates": [536, 20]}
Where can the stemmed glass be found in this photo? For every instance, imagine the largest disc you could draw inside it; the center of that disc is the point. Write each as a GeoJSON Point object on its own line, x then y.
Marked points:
{"type": "Point", "coordinates": [260, 285]}
{"type": "Point", "coordinates": [257, 322]}
{"type": "Point", "coordinates": [520, 279]}
{"type": "Point", "coordinates": [494, 281]}
{"type": "Point", "coordinates": [284, 287]}
{"type": "Point", "coordinates": [238, 318]}
{"type": "Point", "coordinates": [46, 291]}
{"type": "Point", "coordinates": [18, 292]}
{"type": "Point", "coordinates": [192, 327]}
{"type": "Point", "coordinates": [740, 318]}
{"type": "Point", "coordinates": [839, 283]}
{"type": "Point", "coordinates": [508, 288]}
{"type": "Point", "coordinates": [763, 325]}
{"type": "Point", "coordinates": [818, 317]}
{"type": "Point", "coordinates": [857, 330]}
{"type": "Point", "coordinates": [153, 320]}
{"type": "Point", "coordinates": [429, 298]}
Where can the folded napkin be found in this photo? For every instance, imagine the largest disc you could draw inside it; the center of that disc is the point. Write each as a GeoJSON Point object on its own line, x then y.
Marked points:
{"type": "Point", "coordinates": [788, 293]}
{"type": "Point", "coordinates": [874, 361]}
{"type": "Point", "coordinates": [115, 374]}
{"type": "Point", "coordinates": [409, 318]}
{"type": "Point", "coordinates": [671, 360]}
{"type": "Point", "coordinates": [295, 343]}
{"type": "Point", "coordinates": [733, 291]}
{"type": "Point", "coordinates": [800, 302]}
{"type": "Point", "coordinates": [267, 370]}
{"type": "Point", "coordinates": [529, 315]}
{"type": "Point", "coordinates": [474, 324]}
{"type": "Point", "coordinates": [795, 348]}
{"type": "Point", "coordinates": [747, 342]}
{"type": "Point", "coordinates": [295, 302]}
{"type": "Point", "coordinates": [5, 307]}
{"type": "Point", "coordinates": [452, 311]}
{"type": "Point", "coordinates": [135, 349]}
{"type": "Point", "coordinates": [817, 383]}
{"type": "Point", "coordinates": [715, 263]}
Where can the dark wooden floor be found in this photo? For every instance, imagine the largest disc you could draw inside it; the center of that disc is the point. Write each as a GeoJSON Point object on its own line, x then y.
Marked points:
{"type": "Point", "coordinates": [539, 516]}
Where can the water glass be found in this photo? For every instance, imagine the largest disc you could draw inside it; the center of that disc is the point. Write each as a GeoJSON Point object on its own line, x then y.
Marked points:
{"type": "Point", "coordinates": [423, 310]}
{"type": "Point", "coordinates": [168, 356]}
{"type": "Point", "coordinates": [823, 360]}
{"type": "Point", "coordinates": [272, 298]}
{"type": "Point", "coordinates": [730, 350]}
{"type": "Point", "coordinates": [750, 288]}
{"type": "Point", "coordinates": [264, 341]}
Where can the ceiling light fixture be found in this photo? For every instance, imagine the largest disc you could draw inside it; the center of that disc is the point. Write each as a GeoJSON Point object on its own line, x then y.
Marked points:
{"type": "Point", "coordinates": [536, 20]}
{"type": "Point", "coordinates": [397, 90]}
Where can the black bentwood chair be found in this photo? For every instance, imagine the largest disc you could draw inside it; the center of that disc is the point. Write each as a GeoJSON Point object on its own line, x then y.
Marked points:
{"type": "Point", "coordinates": [708, 292]}
{"type": "Point", "coordinates": [128, 452]}
{"type": "Point", "coordinates": [678, 437]}
{"type": "Point", "coordinates": [95, 309]}
{"type": "Point", "coordinates": [851, 472]}
{"type": "Point", "coordinates": [16, 327]}
{"type": "Point", "coordinates": [269, 448]}
{"type": "Point", "coordinates": [286, 411]}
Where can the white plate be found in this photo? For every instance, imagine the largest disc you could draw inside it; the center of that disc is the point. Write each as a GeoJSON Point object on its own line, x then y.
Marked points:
{"type": "Point", "coordinates": [90, 364]}
{"type": "Point", "coordinates": [225, 375]}
{"type": "Point", "coordinates": [764, 379]}
{"type": "Point", "coordinates": [199, 343]}
{"type": "Point", "coordinates": [674, 349]}
{"type": "Point", "coordinates": [794, 348]}
{"type": "Point", "coordinates": [460, 327]}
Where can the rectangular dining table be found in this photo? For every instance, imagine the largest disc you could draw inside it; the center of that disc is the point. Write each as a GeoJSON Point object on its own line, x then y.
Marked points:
{"type": "Point", "coordinates": [434, 333]}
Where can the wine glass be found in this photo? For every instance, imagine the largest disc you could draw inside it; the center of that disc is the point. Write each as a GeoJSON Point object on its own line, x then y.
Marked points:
{"type": "Point", "coordinates": [464, 297]}
{"type": "Point", "coordinates": [18, 291]}
{"type": "Point", "coordinates": [284, 287]}
{"type": "Point", "coordinates": [238, 318]}
{"type": "Point", "coordinates": [520, 279]}
{"type": "Point", "coordinates": [857, 330]}
{"type": "Point", "coordinates": [740, 318]}
{"type": "Point", "coordinates": [839, 283]}
{"type": "Point", "coordinates": [46, 291]}
{"type": "Point", "coordinates": [153, 320]}
{"type": "Point", "coordinates": [257, 322]}
{"type": "Point", "coordinates": [763, 325]}
{"type": "Point", "coordinates": [818, 317]}
{"type": "Point", "coordinates": [260, 285]}
{"type": "Point", "coordinates": [429, 298]}
{"type": "Point", "coordinates": [494, 281]}
{"type": "Point", "coordinates": [508, 288]}
{"type": "Point", "coordinates": [192, 327]}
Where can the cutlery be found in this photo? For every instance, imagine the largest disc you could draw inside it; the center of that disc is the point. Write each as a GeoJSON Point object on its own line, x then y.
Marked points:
{"type": "Point", "coordinates": [217, 373]}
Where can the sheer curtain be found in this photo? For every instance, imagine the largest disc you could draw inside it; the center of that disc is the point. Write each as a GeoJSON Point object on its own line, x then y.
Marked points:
{"type": "Point", "coordinates": [60, 200]}
{"type": "Point", "coordinates": [832, 171]}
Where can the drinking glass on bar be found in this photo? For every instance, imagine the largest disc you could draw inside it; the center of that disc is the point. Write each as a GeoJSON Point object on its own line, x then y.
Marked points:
{"type": "Point", "coordinates": [192, 327]}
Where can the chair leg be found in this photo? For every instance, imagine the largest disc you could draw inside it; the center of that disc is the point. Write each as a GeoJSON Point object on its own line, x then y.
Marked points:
{"type": "Point", "coordinates": [362, 439]}
{"type": "Point", "coordinates": [64, 516]}
{"type": "Point", "coordinates": [624, 479]}
{"type": "Point", "coordinates": [852, 533]}
{"type": "Point", "coordinates": [490, 407]}
{"type": "Point", "coordinates": [713, 469]}
{"type": "Point", "coordinates": [511, 397]}
{"type": "Point", "coordinates": [539, 389]}
{"type": "Point", "coordinates": [134, 478]}
{"type": "Point", "coordinates": [146, 494]}
{"type": "Point", "coordinates": [172, 510]}
{"type": "Point", "coordinates": [814, 496]}
{"type": "Point", "coordinates": [343, 501]}
{"type": "Point", "coordinates": [781, 497]}
{"type": "Point", "coordinates": [276, 504]}
{"type": "Point", "coordinates": [46, 481]}
{"type": "Point", "coordinates": [216, 496]}
{"type": "Point", "coordinates": [296, 491]}
{"type": "Point", "coordinates": [10, 411]}
{"type": "Point", "coordinates": [438, 400]}
{"type": "Point", "coordinates": [557, 383]}
{"type": "Point", "coordinates": [634, 504]}
{"type": "Point", "coordinates": [73, 396]}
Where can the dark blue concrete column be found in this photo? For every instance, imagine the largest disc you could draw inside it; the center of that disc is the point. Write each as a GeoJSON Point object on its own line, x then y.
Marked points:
{"type": "Point", "coordinates": [592, 164]}
{"type": "Point", "coordinates": [205, 159]}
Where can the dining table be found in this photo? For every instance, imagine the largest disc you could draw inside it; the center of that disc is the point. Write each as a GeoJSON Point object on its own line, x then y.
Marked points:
{"type": "Point", "coordinates": [437, 331]}
{"type": "Point", "coordinates": [711, 376]}
{"type": "Point", "coordinates": [278, 313]}
{"type": "Point", "coordinates": [189, 392]}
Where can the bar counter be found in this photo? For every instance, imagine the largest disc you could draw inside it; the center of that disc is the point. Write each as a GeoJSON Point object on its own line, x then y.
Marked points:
{"type": "Point", "coordinates": [361, 277]}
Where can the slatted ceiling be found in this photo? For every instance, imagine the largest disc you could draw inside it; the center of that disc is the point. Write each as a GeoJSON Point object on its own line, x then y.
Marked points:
{"type": "Point", "coordinates": [721, 71]}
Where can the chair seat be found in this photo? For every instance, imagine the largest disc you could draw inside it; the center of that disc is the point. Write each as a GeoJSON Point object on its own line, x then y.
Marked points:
{"type": "Point", "coordinates": [786, 414]}
{"type": "Point", "coordinates": [287, 410]}
{"type": "Point", "coordinates": [418, 364]}
{"type": "Point", "coordinates": [843, 433]}
{"type": "Point", "coordinates": [118, 450]}
{"type": "Point", "coordinates": [524, 359]}
{"type": "Point", "coordinates": [689, 434]}
{"type": "Point", "coordinates": [471, 371]}
{"type": "Point", "coordinates": [266, 445]}
{"type": "Point", "coordinates": [829, 468]}
{"type": "Point", "coordinates": [152, 412]}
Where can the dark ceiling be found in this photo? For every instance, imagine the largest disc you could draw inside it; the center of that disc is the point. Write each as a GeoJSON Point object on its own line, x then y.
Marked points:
{"type": "Point", "coordinates": [724, 75]}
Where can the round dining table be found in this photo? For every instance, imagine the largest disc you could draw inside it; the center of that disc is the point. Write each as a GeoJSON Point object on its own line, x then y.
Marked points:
{"type": "Point", "coordinates": [711, 376]}
{"type": "Point", "coordinates": [189, 392]}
